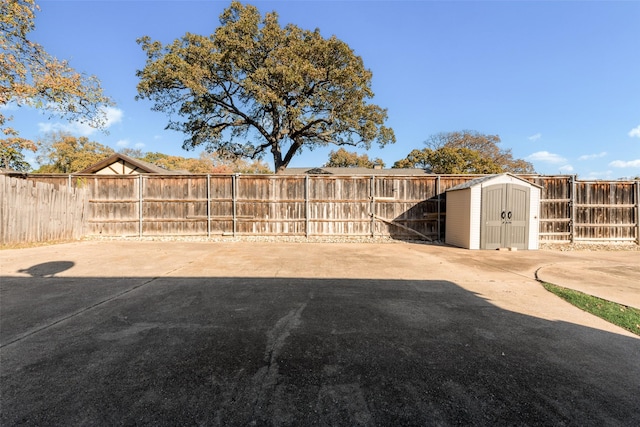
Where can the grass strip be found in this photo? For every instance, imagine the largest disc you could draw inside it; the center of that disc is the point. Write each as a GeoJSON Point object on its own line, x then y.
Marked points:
{"type": "Point", "coordinates": [618, 314]}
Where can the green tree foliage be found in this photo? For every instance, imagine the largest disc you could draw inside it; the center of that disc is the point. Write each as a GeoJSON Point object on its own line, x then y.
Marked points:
{"type": "Point", "coordinates": [486, 145]}
{"type": "Point", "coordinates": [342, 158]}
{"type": "Point", "coordinates": [12, 153]}
{"type": "Point", "coordinates": [62, 152]}
{"type": "Point", "coordinates": [254, 87]}
{"type": "Point", "coordinates": [446, 160]}
{"type": "Point", "coordinates": [466, 152]}
{"type": "Point", "coordinates": [30, 76]}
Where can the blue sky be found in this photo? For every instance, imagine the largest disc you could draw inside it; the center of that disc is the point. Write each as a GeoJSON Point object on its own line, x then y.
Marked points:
{"type": "Point", "coordinates": [558, 81]}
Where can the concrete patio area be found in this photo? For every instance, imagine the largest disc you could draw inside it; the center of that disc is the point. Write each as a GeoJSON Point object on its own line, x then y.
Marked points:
{"type": "Point", "coordinates": [263, 333]}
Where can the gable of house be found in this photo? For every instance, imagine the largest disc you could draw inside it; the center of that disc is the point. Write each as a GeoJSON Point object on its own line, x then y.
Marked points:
{"type": "Point", "coordinates": [120, 164]}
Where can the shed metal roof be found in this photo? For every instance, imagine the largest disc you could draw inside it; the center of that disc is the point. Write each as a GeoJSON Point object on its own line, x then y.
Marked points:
{"type": "Point", "coordinates": [484, 179]}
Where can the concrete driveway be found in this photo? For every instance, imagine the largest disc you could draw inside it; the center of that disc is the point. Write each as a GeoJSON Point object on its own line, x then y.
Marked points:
{"type": "Point", "coordinates": [238, 333]}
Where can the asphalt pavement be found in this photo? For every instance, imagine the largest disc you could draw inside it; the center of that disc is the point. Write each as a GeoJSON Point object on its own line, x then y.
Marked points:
{"type": "Point", "coordinates": [256, 333]}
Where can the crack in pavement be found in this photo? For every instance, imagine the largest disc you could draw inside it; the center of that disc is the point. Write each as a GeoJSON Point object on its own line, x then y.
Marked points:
{"type": "Point", "coordinates": [267, 377]}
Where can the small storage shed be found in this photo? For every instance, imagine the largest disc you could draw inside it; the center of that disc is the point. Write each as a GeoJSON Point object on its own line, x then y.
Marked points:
{"type": "Point", "coordinates": [493, 212]}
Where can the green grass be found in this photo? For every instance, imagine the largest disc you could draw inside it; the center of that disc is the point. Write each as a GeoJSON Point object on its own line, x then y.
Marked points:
{"type": "Point", "coordinates": [618, 314]}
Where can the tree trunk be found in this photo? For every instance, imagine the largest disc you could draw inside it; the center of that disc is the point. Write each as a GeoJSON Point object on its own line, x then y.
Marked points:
{"type": "Point", "coordinates": [281, 168]}
{"type": "Point", "coordinates": [278, 164]}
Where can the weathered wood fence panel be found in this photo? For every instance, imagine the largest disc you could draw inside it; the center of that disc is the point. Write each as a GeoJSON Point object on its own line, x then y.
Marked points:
{"type": "Point", "coordinates": [404, 207]}
{"type": "Point", "coordinates": [339, 206]}
{"type": "Point", "coordinates": [606, 211]}
{"type": "Point", "coordinates": [114, 204]}
{"type": "Point", "coordinates": [270, 205]}
{"type": "Point", "coordinates": [555, 208]}
{"type": "Point", "coordinates": [411, 202]}
{"type": "Point", "coordinates": [174, 205]}
{"type": "Point", "coordinates": [599, 211]}
{"type": "Point", "coordinates": [221, 205]}
{"type": "Point", "coordinates": [38, 212]}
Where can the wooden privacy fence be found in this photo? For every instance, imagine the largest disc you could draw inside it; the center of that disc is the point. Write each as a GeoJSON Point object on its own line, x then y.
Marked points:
{"type": "Point", "coordinates": [404, 207]}
{"type": "Point", "coordinates": [572, 210]}
{"type": "Point", "coordinates": [37, 212]}
{"type": "Point", "coordinates": [265, 205]}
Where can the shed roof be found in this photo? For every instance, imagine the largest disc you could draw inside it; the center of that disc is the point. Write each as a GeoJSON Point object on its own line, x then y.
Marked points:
{"type": "Point", "coordinates": [483, 179]}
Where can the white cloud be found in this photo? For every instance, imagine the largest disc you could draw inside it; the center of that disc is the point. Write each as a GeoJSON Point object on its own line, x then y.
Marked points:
{"type": "Point", "coordinates": [600, 175]}
{"type": "Point", "coordinates": [545, 156]}
{"type": "Point", "coordinates": [113, 116]}
{"type": "Point", "coordinates": [125, 143]}
{"type": "Point", "coordinates": [46, 127]}
{"type": "Point", "coordinates": [70, 127]}
{"type": "Point", "coordinates": [625, 164]}
{"type": "Point", "coordinates": [592, 156]}
{"type": "Point", "coordinates": [566, 168]}
{"type": "Point", "coordinates": [535, 137]}
{"type": "Point", "coordinates": [635, 132]}
{"type": "Point", "coordinates": [11, 106]}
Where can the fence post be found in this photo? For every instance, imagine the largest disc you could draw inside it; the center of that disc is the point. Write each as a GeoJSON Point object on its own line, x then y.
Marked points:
{"type": "Point", "coordinates": [372, 208]}
{"type": "Point", "coordinates": [572, 210]}
{"type": "Point", "coordinates": [307, 211]}
{"type": "Point", "coordinates": [439, 208]}
{"type": "Point", "coordinates": [234, 191]}
{"type": "Point", "coordinates": [208, 205]}
{"type": "Point", "coordinates": [637, 184]}
{"type": "Point", "coordinates": [140, 190]}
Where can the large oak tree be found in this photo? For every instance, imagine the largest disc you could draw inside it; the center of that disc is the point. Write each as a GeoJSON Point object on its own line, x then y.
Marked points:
{"type": "Point", "coordinates": [254, 87]}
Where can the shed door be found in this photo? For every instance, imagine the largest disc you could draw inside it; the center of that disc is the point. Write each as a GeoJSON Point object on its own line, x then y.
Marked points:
{"type": "Point", "coordinates": [505, 217]}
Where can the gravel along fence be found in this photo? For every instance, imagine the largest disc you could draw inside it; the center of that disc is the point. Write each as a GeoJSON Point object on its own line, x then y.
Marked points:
{"type": "Point", "coordinates": [590, 247]}
{"type": "Point", "coordinates": [563, 247]}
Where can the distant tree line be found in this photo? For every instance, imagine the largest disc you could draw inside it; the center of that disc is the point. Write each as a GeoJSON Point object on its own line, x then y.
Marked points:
{"type": "Point", "coordinates": [466, 152]}
{"type": "Point", "coordinates": [61, 152]}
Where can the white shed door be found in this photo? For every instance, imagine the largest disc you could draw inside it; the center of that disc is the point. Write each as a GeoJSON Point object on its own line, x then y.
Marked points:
{"type": "Point", "coordinates": [505, 217]}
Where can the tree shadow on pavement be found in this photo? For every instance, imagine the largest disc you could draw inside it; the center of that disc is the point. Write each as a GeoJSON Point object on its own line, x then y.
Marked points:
{"type": "Point", "coordinates": [291, 351]}
{"type": "Point", "coordinates": [48, 269]}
